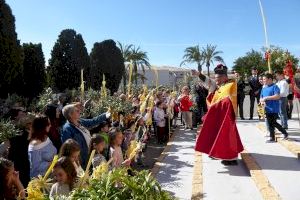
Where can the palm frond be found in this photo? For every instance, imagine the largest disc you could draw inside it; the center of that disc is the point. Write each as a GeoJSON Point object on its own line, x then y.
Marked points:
{"type": "Point", "coordinates": [211, 55]}
{"type": "Point", "coordinates": [219, 59]}
{"type": "Point", "coordinates": [126, 51]}
{"type": "Point", "coordinates": [192, 55]}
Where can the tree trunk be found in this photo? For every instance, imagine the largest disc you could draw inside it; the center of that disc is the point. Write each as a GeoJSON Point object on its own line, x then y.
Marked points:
{"type": "Point", "coordinates": [136, 80]}
{"type": "Point", "coordinates": [207, 65]}
{"type": "Point", "coordinates": [135, 74]}
{"type": "Point", "coordinates": [144, 77]}
{"type": "Point", "coordinates": [124, 83]}
{"type": "Point", "coordinates": [199, 67]}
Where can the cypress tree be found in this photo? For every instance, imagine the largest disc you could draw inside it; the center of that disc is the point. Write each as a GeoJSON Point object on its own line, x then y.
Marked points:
{"type": "Point", "coordinates": [69, 55]}
{"type": "Point", "coordinates": [34, 70]}
{"type": "Point", "coordinates": [11, 58]}
{"type": "Point", "coordinates": [106, 58]}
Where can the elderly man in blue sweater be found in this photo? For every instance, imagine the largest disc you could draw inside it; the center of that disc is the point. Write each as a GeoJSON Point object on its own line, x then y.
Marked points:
{"type": "Point", "coordinates": [76, 128]}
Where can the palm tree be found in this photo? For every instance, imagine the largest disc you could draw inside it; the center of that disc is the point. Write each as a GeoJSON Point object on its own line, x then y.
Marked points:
{"type": "Point", "coordinates": [193, 55]}
{"type": "Point", "coordinates": [140, 60]}
{"type": "Point", "coordinates": [210, 55]}
{"type": "Point", "coordinates": [142, 77]}
{"type": "Point", "coordinates": [126, 52]}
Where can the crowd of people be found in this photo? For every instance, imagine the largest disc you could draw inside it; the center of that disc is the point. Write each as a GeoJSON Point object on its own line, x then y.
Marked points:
{"type": "Point", "coordinates": [61, 130]}
{"type": "Point", "coordinates": [275, 92]}
{"type": "Point", "coordinates": [219, 137]}
{"type": "Point", "coordinates": [256, 83]}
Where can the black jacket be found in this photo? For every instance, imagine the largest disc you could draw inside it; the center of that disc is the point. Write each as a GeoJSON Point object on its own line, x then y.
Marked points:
{"type": "Point", "coordinates": [201, 92]}
{"type": "Point", "coordinates": [254, 85]}
{"type": "Point", "coordinates": [18, 153]}
{"type": "Point", "coordinates": [240, 88]}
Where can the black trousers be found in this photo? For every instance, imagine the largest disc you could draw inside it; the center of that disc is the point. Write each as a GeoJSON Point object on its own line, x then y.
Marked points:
{"type": "Point", "coordinates": [272, 123]}
{"type": "Point", "coordinates": [252, 102]}
{"type": "Point", "coordinates": [201, 109]}
{"type": "Point", "coordinates": [240, 101]}
{"type": "Point", "coordinates": [161, 134]}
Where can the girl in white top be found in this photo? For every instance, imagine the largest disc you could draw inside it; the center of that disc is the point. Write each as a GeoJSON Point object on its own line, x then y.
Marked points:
{"type": "Point", "coordinates": [65, 176]}
{"type": "Point", "coordinates": [97, 144]}
{"type": "Point", "coordinates": [71, 149]}
{"type": "Point", "coordinates": [115, 151]}
{"type": "Point", "coordinates": [159, 117]}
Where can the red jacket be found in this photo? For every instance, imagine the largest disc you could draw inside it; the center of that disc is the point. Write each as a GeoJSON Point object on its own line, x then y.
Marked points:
{"type": "Point", "coordinates": [185, 104]}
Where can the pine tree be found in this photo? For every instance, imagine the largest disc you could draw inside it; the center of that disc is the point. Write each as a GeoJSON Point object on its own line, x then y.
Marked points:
{"type": "Point", "coordinates": [69, 55]}
{"type": "Point", "coordinates": [11, 58]}
{"type": "Point", "coordinates": [34, 70]}
{"type": "Point", "coordinates": [106, 58]}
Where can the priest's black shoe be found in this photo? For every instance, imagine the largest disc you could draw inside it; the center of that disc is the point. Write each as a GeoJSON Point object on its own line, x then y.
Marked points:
{"type": "Point", "coordinates": [229, 162]}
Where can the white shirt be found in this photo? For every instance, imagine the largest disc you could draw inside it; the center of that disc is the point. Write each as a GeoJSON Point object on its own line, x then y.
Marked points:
{"type": "Point", "coordinates": [117, 154]}
{"type": "Point", "coordinates": [86, 134]}
{"type": "Point", "coordinates": [159, 117]}
{"type": "Point", "coordinates": [284, 88]}
{"type": "Point", "coordinates": [59, 189]}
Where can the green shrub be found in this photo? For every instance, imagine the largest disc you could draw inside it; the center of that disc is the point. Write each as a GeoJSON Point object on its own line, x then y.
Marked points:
{"type": "Point", "coordinates": [7, 130]}
{"type": "Point", "coordinates": [118, 185]}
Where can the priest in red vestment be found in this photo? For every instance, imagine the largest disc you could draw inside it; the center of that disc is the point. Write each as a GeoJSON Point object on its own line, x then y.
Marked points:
{"type": "Point", "coordinates": [219, 137]}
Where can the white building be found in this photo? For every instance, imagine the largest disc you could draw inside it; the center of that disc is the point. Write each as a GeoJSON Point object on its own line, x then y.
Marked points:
{"type": "Point", "coordinates": [166, 75]}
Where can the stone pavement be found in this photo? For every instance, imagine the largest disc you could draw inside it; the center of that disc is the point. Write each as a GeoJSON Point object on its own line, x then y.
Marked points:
{"type": "Point", "coordinates": [176, 172]}
{"type": "Point", "coordinates": [227, 182]}
{"type": "Point", "coordinates": [280, 166]}
{"type": "Point", "coordinates": [276, 163]}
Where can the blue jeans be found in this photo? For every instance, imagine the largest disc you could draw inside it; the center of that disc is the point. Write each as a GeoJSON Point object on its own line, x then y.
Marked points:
{"type": "Point", "coordinates": [283, 112]}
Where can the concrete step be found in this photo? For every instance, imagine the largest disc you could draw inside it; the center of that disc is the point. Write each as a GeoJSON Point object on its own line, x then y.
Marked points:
{"type": "Point", "coordinates": [293, 142]}
{"type": "Point", "coordinates": [280, 167]}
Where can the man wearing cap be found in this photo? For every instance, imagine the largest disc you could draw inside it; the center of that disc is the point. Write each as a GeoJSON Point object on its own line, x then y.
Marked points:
{"type": "Point", "coordinates": [219, 137]}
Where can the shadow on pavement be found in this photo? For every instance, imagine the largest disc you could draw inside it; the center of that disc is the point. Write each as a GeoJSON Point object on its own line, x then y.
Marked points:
{"type": "Point", "coordinates": [238, 170]}
{"type": "Point", "coordinates": [273, 162]}
{"type": "Point", "coordinates": [170, 171]}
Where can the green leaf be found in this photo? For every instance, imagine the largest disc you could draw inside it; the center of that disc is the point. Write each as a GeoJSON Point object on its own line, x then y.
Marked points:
{"type": "Point", "coordinates": [7, 130]}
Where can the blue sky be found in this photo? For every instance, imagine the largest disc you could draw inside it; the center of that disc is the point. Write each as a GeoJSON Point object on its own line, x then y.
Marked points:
{"type": "Point", "coordinates": [163, 28]}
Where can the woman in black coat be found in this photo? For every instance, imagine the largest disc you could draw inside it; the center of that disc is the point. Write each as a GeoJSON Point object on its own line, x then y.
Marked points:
{"type": "Point", "coordinates": [18, 150]}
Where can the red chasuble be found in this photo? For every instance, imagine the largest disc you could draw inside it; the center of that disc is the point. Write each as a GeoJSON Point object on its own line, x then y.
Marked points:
{"type": "Point", "coordinates": [219, 137]}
